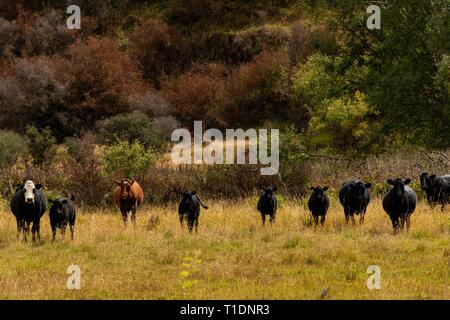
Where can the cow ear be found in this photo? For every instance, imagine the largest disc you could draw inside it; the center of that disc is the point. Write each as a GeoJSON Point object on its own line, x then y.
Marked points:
{"type": "Point", "coordinates": [72, 197]}
{"type": "Point", "coordinates": [194, 192]}
{"type": "Point", "coordinates": [38, 186]}
{"type": "Point", "coordinates": [119, 183]}
{"type": "Point", "coordinates": [51, 201]}
{"type": "Point", "coordinates": [179, 193]}
{"type": "Point", "coordinates": [64, 201]}
{"type": "Point", "coordinates": [390, 181]}
{"type": "Point", "coordinates": [131, 182]}
{"type": "Point", "coordinates": [368, 185]}
{"type": "Point", "coordinates": [407, 181]}
{"type": "Point", "coordinates": [432, 176]}
{"type": "Point", "coordinates": [325, 188]}
{"type": "Point", "coordinates": [311, 188]}
{"type": "Point", "coordinates": [275, 188]}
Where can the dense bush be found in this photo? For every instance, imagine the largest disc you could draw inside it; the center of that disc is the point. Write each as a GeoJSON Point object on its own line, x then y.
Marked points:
{"type": "Point", "coordinates": [11, 146]}
{"type": "Point", "coordinates": [41, 144]}
{"type": "Point", "coordinates": [233, 48]}
{"type": "Point", "coordinates": [31, 94]}
{"type": "Point", "coordinates": [9, 38]}
{"type": "Point", "coordinates": [197, 94]}
{"type": "Point", "coordinates": [255, 91]}
{"type": "Point", "coordinates": [128, 160]}
{"type": "Point", "coordinates": [98, 77]}
{"type": "Point", "coordinates": [86, 171]}
{"type": "Point", "coordinates": [244, 96]}
{"type": "Point", "coordinates": [46, 34]}
{"type": "Point", "coordinates": [159, 50]}
{"type": "Point", "coordinates": [340, 115]}
{"type": "Point", "coordinates": [131, 127]}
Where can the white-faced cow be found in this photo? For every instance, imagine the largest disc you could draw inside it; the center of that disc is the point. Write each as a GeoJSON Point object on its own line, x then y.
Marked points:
{"type": "Point", "coordinates": [28, 206]}
{"type": "Point", "coordinates": [354, 197]}
{"type": "Point", "coordinates": [318, 204]}
{"type": "Point", "coordinates": [399, 203]}
{"type": "Point", "coordinates": [267, 204]}
{"type": "Point", "coordinates": [189, 209]}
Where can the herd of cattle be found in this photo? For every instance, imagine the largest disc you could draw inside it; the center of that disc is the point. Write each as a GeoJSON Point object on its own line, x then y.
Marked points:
{"type": "Point", "coordinates": [29, 203]}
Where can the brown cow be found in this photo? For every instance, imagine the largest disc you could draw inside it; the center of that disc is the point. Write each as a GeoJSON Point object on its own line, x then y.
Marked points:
{"type": "Point", "coordinates": [128, 196]}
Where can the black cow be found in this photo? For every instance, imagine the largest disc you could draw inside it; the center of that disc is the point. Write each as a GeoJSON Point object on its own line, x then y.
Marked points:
{"type": "Point", "coordinates": [437, 188]}
{"type": "Point", "coordinates": [399, 203]}
{"type": "Point", "coordinates": [267, 204]}
{"type": "Point", "coordinates": [63, 213]}
{"type": "Point", "coordinates": [318, 204]}
{"type": "Point", "coordinates": [189, 209]}
{"type": "Point", "coordinates": [28, 206]}
{"type": "Point", "coordinates": [354, 197]}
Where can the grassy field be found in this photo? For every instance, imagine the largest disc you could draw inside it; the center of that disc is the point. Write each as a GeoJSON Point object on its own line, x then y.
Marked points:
{"type": "Point", "coordinates": [231, 257]}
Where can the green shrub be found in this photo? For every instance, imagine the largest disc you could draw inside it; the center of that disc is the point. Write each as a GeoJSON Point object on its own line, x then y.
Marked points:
{"type": "Point", "coordinates": [41, 144]}
{"type": "Point", "coordinates": [131, 127]}
{"type": "Point", "coordinates": [128, 160]}
{"type": "Point", "coordinates": [11, 145]}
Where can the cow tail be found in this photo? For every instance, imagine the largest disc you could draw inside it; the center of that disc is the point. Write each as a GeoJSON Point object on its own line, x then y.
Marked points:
{"type": "Point", "coordinates": [201, 203]}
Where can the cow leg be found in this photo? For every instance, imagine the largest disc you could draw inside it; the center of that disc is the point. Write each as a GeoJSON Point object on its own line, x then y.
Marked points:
{"type": "Point", "coordinates": [124, 216]}
{"type": "Point", "coordinates": [19, 228]}
{"type": "Point", "coordinates": [72, 230]}
{"type": "Point", "coordinates": [180, 216]}
{"type": "Point", "coordinates": [322, 220]}
{"type": "Point", "coordinates": [402, 222]}
{"type": "Point", "coordinates": [316, 220]}
{"type": "Point", "coordinates": [352, 216]}
{"type": "Point", "coordinates": [408, 222]}
{"type": "Point", "coordinates": [63, 230]}
{"type": "Point", "coordinates": [361, 218]}
{"type": "Point", "coordinates": [33, 232]}
{"type": "Point", "coordinates": [133, 215]}
{"type": "Point", "coordinates": [38, 230]}
{"type": "Point", "coordinates": [272, 219]}
{"type": "Point", "coordinates": [190, 225]}
{"type": "Point", "coordinates": [25, 229]}
{"type": "Point", "coordinates": [53, 233]}
{"type": "Point", "coordinates": [347, 215]}
{"type": "Point", "coordinates": [395, 224]}
{"type": "Point", "coordinates": [263, 217]}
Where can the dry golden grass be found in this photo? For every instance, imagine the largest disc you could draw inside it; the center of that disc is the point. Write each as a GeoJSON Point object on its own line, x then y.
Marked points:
{"type": "Point", "coordinates": [239, 258]}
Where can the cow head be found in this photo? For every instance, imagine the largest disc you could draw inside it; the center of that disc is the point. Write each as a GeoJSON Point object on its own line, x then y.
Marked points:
{"type": "Point", "coordinates": [318, 192]}
{"type": "Point", "coordinates": [399, 186]}
{"type": "Point", "coordinates": [29, 191]}
{"type": "Point", "coordinates": [57, 206]}
{"type": "Point", "coordinates": [426, 181]}
{"type": "Point", "coordinates": [268, 192]}
{"type": "Point", "coordinates": [187, 196]}
{"type": "Point", "coordinates": [125, 187]}
{"type": "Point", "coordinates": [359, 189]}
